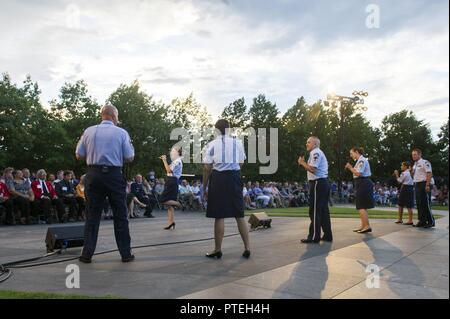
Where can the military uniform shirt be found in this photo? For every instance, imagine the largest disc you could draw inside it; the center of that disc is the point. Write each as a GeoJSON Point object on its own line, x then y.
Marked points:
{"type": "Point", "coordinates": [405, 178]}
{"type": "Point", "coordinates": [105, 144]}
{"type": "Point", "coordinates": [225, 153]}
{"type": "Point", "coordinates": [318, 160]}
{"type": "Point", "coordinates": [421, 168]}
{"type": "Point", "coordinates": [362, 166]}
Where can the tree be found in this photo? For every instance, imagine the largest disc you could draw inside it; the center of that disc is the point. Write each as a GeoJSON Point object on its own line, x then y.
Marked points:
{"type": "Point", "coordinates": [147, 123]}
{"type": "Point", "coordinates": [28, 137]}
{"type": "Point", "coordinates": [441, 167]}
{"type": "Point", "coordinates": [400, 133]}
{"type": "Point", "coordinates": [237, 114]}
{"type": "Point", "coordinates": [74, 111]}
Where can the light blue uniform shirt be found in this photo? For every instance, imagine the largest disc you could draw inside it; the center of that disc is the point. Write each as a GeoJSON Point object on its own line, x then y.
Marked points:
{"type": "Point", "coordinates": [225, 153]}
{"type": "Point", "coordinates": [318, 160]}
{"type": "Point", "coordinates": [105, 144]}
{"type": "Point", "coordinates": [177, 167]}
{"type": "Point", "coordinates": [362, 166]}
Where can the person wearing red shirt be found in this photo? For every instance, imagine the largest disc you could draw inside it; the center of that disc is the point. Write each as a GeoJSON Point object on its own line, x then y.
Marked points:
{"type": "Point", "coordinates": [45, 197]}
{"type": "Point", "coordinates": [6, 203]}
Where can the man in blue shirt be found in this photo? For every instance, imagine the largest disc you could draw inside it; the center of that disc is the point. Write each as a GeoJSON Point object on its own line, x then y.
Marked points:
{"type": "Point", "coordinates": [317, 171]}
{"type": "Point", "coordinates": [105, 148]}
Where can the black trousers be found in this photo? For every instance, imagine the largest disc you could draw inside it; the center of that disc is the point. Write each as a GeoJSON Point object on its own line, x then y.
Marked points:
{"type": "Point", "coordinates": [148, 202]}
{"type": "Point", "coordinates": [98, 186]}
{"type": "Point", "coordinates": [319, 212]}
{"type": "Point", "coordinates": [24, 206]}
{"type": "Point", "coordinates": [71, 202]}
{"type": "Point", "coordinates": [81, 205]}
{"type": "Point", "coordinates": [44, 205]}
{"type": "Point", "coordinates": [8, 205]}
{"type": "Point", "coordinates": [423, 202]}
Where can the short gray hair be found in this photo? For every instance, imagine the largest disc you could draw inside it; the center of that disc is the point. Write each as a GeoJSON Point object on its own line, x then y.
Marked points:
{"type": "Point", "coordinates": [316, 139]}
{"type": "Point", "coordinates": [40, 172]}
{"type": "Point", "coordinates": [109, 109]}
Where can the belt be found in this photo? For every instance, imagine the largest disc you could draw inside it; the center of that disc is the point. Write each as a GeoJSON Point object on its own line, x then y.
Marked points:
{"type": "Point", "coordinates": [319, 179]}
{"type": "Point", "coordinates": [365, 177]}
{"type": "Point", "coordinates": [105, 168]}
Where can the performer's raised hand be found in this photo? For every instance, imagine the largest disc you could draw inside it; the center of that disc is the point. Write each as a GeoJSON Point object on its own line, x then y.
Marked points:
{"type": "Point", "coordinates": [301, 161]}
{"type": "Point", "coordinates": [348, 166]}
{"type": "Point", "coordinates": [163, 157]}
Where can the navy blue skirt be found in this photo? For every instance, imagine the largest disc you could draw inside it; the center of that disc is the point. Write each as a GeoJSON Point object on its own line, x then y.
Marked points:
{"type": "Point", "coordinates": [364, 193]}
{"type": "Point", "coordinates": [170, 190]}
{"type": "Point", "coordinates": [406, 196]}
{"type": "Point", "coordinates": [225, 198]}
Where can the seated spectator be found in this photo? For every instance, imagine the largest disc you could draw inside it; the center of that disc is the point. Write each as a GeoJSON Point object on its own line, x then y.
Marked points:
{"type": "Point", "coordinates": [159, 187]}
{"type": "Point", "coordinates": [7, 204]}
{"type": "Point", "coordinates": [151, 176]}
{"type": "Point", "coordinates": [27, 175]}
{"type": "Point", "coordinates": [287, 196]}
{"type": "Point", "coordinates": [51, 179]}
{"type": "Point", "coordinates": [59, 177]}
{"type": "Point", "coordinates": [66, 192]}
{"type": "Point", "coordinates": [74, 179]}
{"type": "Point", "coordinates": [267, 190]}
{"type": "Point", "coordinates": [21, 193]}
{"type": "Point", "coordinates": [45, 197]}
{"type": "Point", "coordinates": [185, 193]}
{"type": "Point", "coordinates": [442, 196]}
{"type": "Point", "coordinates": [141, 189]}
{"type": "Point", "coordinates": [260, 196]}
{"type": "Point", "coordinates": [247, 200]}
{"type": "Point", "coordinates": [197, 198]}
{"type": "Point", "coordinates": [276, 195]}
{"type": "Point", "coordinates": [81, 199]}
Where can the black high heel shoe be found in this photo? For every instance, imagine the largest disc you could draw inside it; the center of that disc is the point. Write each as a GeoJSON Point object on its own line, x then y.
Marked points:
{"type": "Point", "coordinates": [246, 254]}
{"type": "Point", "coordinates": [217, 254]}
{"type": "Point", "coordinates": [364, 231]}
{"type": "Point", "coordinates": [170, 226]}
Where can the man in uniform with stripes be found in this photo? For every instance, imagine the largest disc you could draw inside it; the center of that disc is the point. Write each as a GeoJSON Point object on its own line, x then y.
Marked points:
{"type": "Point", "coordinates": [423, 174]}
{"type": "Point", "coordinates": [319, 190]}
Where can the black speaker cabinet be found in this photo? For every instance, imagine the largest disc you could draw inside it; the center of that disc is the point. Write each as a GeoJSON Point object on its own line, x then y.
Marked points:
{"type": "Point", "coordinates": [64, 237]}
{"type": "Point", "coordinates": [260, 220]}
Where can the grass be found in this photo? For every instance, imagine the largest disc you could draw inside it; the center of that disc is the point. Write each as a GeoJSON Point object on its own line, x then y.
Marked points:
{"type": "Point", "coordinates": [336, 212]}
{"type": "Point", "coordinates": [11, 294]}
{"type": "Point", "coordinates": [439, 207]}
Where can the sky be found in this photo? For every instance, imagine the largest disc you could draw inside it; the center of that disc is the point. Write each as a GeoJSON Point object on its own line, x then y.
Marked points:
{"type": "Point", "coordinates": [222, 50]}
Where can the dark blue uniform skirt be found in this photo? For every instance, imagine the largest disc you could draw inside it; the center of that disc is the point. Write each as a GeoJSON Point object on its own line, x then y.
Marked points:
{"type": "Point", "coordinates": [225, 198]}
{"type": "Point", "coordinates": [170, 190]}
{"type": "Point", "coordinates": [364, 193]}
{"type": "Point", "coordinates": [406, 196]}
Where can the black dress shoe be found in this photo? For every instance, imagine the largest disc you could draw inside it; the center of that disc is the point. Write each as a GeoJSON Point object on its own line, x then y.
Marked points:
{"type": "Point", "coordinates": [309, 241]}
{"type": "Point", "coordinates": [246, 254]}
{"type": "Point", "coordinates": [85, 260]}
{"type": "Point", "coordinates": [326, 239]}
{"type": "Point", "coordinates": [217, 254]}
{"type": "Point", "coordinates": [419, 224]}
{"type": "Point", "coordinates": [128, 259]}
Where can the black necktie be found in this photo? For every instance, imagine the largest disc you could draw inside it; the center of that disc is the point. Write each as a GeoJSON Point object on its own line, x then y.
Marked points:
{"type": "Point", "coordinates": [44, 189]}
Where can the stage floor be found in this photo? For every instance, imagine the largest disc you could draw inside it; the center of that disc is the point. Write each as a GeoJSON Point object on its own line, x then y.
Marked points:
{"type": "Point", "coordinates": [414, 263]}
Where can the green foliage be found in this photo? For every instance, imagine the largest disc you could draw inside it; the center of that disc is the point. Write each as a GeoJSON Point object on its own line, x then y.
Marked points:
{"type": "Point", "coordinates": [36, 137]}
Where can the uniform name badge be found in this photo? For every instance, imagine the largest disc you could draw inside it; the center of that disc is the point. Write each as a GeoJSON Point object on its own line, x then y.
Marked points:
{"type": "Point", "coordinates": [64, 189]}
